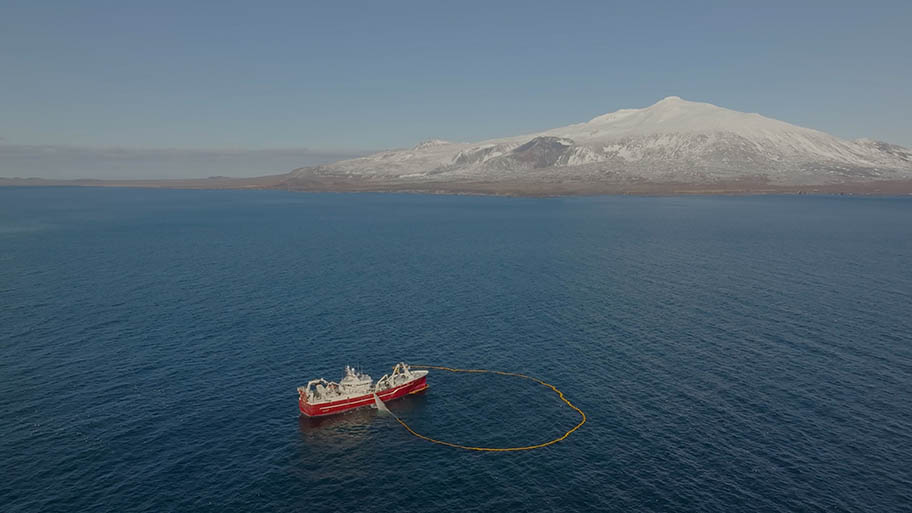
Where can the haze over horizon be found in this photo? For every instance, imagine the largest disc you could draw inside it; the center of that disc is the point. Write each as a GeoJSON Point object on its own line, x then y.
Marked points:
{"type": "Point", "coordinates": [106, 90]}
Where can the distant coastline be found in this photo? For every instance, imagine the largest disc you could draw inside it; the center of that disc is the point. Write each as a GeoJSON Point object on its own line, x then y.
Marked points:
{"type": "Point", "coordinates": [288, 182]}
{"type": "Point", "coordinates": [673, 147]}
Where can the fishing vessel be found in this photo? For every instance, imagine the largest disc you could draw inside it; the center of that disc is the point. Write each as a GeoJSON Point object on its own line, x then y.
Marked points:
{"type": "Point", "coordinates": [356, 389]}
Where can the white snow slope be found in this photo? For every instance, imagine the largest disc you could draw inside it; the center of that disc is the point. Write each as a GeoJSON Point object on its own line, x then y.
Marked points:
{"type": "Point", "coordinates": [673, 140]}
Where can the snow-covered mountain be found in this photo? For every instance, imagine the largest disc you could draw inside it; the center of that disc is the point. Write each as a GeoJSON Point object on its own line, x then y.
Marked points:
{"type": "Point", "coordinates": [673, 140]}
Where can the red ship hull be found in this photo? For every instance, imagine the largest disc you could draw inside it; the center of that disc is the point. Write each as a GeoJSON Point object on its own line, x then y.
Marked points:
{"type": "Point", "coordinates": [342, 405]}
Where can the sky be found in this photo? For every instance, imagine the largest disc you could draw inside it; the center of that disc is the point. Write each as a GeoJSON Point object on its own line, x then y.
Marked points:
{"type": "Point", "coordinates": [317, 81]}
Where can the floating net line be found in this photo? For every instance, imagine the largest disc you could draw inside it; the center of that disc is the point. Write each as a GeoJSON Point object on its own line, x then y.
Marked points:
{"type": "Point", "coordinates": [496, 449]}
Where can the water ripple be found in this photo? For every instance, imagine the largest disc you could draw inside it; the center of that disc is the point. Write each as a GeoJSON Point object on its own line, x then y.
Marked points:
{"type": "Point", "coordinates": [732, 354]}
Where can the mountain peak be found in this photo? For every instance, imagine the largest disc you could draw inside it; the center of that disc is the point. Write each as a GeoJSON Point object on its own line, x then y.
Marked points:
{"type": "Point", "coordinates": [669, 111]}
{"type": "Point", "coordinates": [673, 139]}
{"type": "Point", "coordinates": [676, 102]}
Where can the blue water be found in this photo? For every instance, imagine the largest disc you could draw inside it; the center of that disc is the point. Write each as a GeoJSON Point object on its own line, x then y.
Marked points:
{"type": "Point", "coordinates": [732, 354]}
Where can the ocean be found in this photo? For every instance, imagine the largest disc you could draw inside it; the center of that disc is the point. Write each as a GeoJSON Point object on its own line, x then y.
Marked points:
{"type": "Point", "coordinates": [731, 353]}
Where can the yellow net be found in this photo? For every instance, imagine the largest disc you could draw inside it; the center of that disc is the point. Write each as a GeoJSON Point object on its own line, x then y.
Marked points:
{"type": "Point", "coordinates": [496, 449]}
